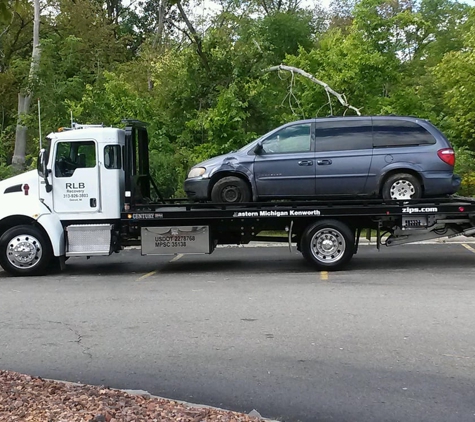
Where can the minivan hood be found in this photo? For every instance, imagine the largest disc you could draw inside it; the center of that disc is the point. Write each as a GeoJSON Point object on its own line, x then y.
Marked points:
{"type": "Point", "coordinates": [214, 161]}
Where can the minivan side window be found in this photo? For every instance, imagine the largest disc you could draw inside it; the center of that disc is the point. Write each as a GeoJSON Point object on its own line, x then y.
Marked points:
{"type": "Point", "coordinates": [400, 133]}
{"type": "Point", "coordinates": [341, 135]}
{"type": "Point", "coordinates": [291, 139]}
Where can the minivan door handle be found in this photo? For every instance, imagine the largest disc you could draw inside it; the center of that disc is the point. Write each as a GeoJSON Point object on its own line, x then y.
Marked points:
{"type": "Point", "coordinates": [324, 162]}
{"type": "Point", "coordinates": [306, 163]}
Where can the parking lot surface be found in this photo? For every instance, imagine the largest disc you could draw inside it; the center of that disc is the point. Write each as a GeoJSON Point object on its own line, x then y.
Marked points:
{"type": "Point", "coordinates": [390, 338]}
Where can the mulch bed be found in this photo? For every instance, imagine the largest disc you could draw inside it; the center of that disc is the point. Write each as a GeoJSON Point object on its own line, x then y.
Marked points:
{"type": "Point", "coordinates": [26, 398]}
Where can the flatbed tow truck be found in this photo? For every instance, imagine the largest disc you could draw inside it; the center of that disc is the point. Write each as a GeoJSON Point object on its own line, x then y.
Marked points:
{"type": "Point", "coordinates": [91, 196]}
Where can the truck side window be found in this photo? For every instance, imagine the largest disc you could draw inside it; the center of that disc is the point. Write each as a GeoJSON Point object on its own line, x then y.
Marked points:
{"type": "Point", "coordinates": [73, 155]}
{"type": "Point", "coordinates": [112, 157]}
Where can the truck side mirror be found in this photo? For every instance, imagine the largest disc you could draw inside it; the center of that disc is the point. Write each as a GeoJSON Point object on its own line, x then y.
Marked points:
{"type": "Point", "coordinates": [43, 170]}
{"type": "Point", "coordinates": [41, 165]}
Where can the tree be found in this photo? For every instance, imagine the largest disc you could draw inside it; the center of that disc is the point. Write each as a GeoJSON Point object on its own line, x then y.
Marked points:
{"type": "Point", "coordinates": [24, 97]}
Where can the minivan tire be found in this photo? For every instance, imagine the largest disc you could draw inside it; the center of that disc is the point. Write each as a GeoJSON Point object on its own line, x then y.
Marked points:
{"type": "Point", "coordinates": [401, 186]}
{"type": "Point", "coordinates": [230, 190]}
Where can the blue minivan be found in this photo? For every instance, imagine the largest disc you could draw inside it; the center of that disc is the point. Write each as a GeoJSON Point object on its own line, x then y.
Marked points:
{"type": "Point", "coordinates": [391, 157]}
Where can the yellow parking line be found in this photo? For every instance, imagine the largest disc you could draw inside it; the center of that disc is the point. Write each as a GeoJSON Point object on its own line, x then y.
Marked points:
{"type": "Point", "coordinates": [324, 275]}
{"type": "Point", "coordinates": [146, 275]}
{"type": "Point", "coordinates": [176, 258]}
{"type": "Point", "coordinates": [468, 247]}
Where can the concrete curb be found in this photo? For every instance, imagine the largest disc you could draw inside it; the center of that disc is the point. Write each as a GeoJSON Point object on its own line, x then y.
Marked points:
{"type": "Point", "coordinates": [253, 412]}
{"type": "Point", "coordinates": [146, 394]}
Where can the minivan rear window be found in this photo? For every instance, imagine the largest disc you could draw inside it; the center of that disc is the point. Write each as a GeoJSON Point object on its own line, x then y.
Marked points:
{"type": "Point", "coordinates": [400, 133]}
{"type": "Point", "coordinates": [342, 135]}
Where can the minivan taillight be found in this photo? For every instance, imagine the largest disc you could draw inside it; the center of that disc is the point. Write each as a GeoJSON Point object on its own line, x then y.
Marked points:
{"type": "Point", "coordinates": [447, 155]}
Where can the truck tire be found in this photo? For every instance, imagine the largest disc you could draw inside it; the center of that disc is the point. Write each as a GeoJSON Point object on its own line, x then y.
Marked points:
{"type": "Point", "coordinates": [328, 244]}
{"type": "Point", "coordinates": [402, 186]}
{"type": "Point", "coordinates": [230, 190]}
{"type": "Point", "coordinates": [24, 251]}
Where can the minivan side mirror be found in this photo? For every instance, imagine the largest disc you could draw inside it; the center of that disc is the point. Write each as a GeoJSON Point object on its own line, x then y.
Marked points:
{"type": "Point", "coordinates": [258, 148]}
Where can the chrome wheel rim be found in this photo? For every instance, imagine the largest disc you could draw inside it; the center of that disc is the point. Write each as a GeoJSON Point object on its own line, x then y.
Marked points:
{"type": "Point", "coordinates": [328, 245]}
{"type": "Point", "coordinates": [402, 189]}
{"type": "Point", "coordinates": [24, 251]}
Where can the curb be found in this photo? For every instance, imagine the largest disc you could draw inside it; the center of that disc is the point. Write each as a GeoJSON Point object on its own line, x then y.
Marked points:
{"type": "Point", "coordinates": [253, 413]}
{"type": "Point", "coordinates": [146, 394]}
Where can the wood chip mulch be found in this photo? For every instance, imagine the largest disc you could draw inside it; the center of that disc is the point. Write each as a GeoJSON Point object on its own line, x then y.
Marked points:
{"type": "Point", "coordinates": [32, 399]}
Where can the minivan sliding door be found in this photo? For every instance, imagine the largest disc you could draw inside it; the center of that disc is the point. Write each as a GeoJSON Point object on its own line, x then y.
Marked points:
{"type": "Point", "coordinates": [343, 156]}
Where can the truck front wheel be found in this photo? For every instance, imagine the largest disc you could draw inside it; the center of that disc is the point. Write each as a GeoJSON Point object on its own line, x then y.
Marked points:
{"type": "Point", "coordinates": [327, 244]}
{"type": "Point", "coordinates": [24, 250]}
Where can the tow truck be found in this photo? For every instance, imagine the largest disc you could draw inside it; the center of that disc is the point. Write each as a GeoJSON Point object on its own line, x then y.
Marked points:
{"type": "Point", "coordinates": [92, 195]}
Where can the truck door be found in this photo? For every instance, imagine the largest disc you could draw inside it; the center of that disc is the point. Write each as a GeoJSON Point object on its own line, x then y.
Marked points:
{"type": "Point", "coordinates": [76, 177]}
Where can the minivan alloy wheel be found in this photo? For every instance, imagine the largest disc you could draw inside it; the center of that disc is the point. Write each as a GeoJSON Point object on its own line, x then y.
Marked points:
{"type": "Point", "coordinates": [402, 186]}
{"type": "Point", "coordinates": [402, 189]}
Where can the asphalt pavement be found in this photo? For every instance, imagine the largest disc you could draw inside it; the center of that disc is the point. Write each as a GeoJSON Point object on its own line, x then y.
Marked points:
{"type": "Point", "coordinates": [390, 338]}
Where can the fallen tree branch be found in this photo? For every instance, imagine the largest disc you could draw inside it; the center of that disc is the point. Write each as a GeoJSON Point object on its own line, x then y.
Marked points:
{"type": "Point", "coordinates": [341, 97]}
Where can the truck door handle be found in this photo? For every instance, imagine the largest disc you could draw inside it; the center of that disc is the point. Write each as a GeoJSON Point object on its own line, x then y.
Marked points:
{"type": "Point", "coordinates": [306, 163]}
{"type": "Point", "coordinates": [93, 202]}
{"type": "Point", "coordinates": [324, 162]}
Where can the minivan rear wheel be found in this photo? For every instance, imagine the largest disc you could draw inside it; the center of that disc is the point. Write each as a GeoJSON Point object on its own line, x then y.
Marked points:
{"type": "Point", "coordinates": [402, 186]}
{"type": "Point", "coordinates": [231, 190]}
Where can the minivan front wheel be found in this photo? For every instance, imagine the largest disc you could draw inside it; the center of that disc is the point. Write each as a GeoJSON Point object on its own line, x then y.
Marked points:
{"type": "Point", "coordinates": [402, 186]}
{"type": "Point", "coordinates": [230, 190]}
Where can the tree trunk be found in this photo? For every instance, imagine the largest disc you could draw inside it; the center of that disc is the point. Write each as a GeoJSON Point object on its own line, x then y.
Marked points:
{"type": "Point", "coordinates": [24, 98]}
{"type": "Point", "coordinates": [18, 160]}
{"type": "Point", "coordinates": [158, 44]}
{"type": "Point", "coordinates": [194, 36]}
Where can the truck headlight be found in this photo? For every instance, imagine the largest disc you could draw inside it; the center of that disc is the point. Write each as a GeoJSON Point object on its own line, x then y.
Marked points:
{"type": "Point", "coordinates": [196, 172]}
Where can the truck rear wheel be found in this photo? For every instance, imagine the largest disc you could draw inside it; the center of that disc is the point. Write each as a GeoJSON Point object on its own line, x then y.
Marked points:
{"type": "Point", "coordinates": [328, 244]}
{"type": "Point", "coordinates": [24, 250]}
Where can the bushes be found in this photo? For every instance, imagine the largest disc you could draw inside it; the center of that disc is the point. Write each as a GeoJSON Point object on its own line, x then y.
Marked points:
{"type": "Point", "coordinates": [465, 167]}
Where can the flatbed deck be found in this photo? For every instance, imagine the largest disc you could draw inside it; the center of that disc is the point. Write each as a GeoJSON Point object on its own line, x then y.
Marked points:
{"type": "Point", "coordinates": [299, 209]}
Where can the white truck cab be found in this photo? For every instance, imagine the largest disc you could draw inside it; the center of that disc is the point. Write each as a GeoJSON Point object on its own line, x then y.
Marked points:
{"type": "Point", "coordinates": [71, 204]}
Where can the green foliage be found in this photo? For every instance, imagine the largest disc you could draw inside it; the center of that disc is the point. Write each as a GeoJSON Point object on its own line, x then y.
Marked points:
{"type": "Point", "coordinates": [465, 167]}
{"type": "Point", "coordinates": [6, 172]}
{"type": "Point", "coordinates": [386, 57]}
